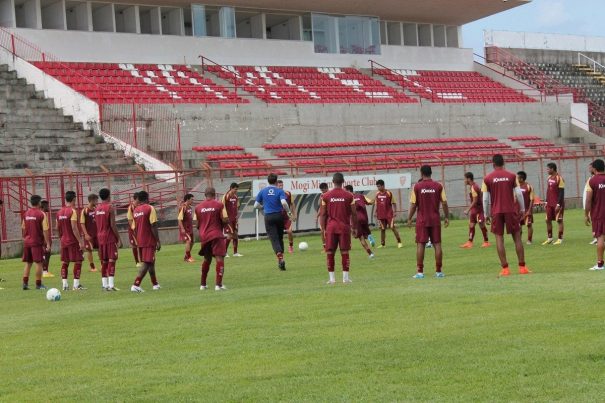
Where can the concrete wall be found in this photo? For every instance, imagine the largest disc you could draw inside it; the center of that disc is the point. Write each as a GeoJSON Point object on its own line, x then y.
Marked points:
{"type": "Point", "coordinates": [123, 47]}
{"type": "Point", "coordinates": [556, 56]}
{"type": "Point", "coordinates": [538, 40]}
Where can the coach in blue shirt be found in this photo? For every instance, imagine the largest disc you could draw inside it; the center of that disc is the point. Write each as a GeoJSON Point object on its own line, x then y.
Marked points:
{"type": "Point", "coordinates": [273, 201]}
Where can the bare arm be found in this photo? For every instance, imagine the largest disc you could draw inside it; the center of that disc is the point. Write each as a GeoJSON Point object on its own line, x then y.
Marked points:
{"type": "Point", "coordinates": [323, 216]}
{"type": "Point", "coordinates": [156, 235]}
{"type": "Point", "coordinates": [114, 227]}
{"type": "Point", "coordinates": [76, 231]}
{"type": "Point", "coordinates": [446, 213]}
{"type": "Point", "coordinates": [588, 206]}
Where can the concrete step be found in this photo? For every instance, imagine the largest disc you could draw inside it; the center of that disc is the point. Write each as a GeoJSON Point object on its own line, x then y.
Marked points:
{"type": "Point", "coordinates": [34, 118]}
{"type": "Point", "coordinates": [32, 103]}
{"type": "Point", "coordinates": [38, 112]}
{"type": "Point", "coordinates": [27, 147]}
{"type": "Point", "coordinates": [81, 157]}
{"type": "Point", "coordinates": [45, 133]}
{"type": "Point", "coordinates": [43, 125]}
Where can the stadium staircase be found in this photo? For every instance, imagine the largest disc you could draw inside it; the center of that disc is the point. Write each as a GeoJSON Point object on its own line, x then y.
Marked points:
{"type": "Point", "coordinates": [35, 137]}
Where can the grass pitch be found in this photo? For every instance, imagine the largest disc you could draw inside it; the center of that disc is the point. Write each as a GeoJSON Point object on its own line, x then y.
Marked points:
{"type": "Point", "coordinates": [286, 336]}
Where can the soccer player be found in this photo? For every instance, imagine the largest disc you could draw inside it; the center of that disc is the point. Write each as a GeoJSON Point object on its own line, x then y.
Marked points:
{"type": "Point", "coordinates": [592, 172]}
{"type": "Point", "coordinates": [323, 188]}
{"type": "Point", "coordinates": [272, 201]}
{"type": "Point", "coordinates": [72, 243]}
{"type": "Point", "coordinates": [499, 193]}
{"type": "Point", "coordinates": [231, 203]}
{"type": "Point", "coordinates": [45, 272]}
{"type": "Point", "coordinates": [555, 203]}
{"type": "Point", "coordinates": [528, 199]}
{"type": "Point", "coordinates": [287, 221]}
{"type": "Point", "coordinates": [363, 226]}
{"type": "Point", "coordinates": [89, 229]}
{"type": "Point", "coordinates": [132, 239]}
{"type": "Point", "coordinates": [108, 238]}
{"type": "Point", "coordinates": [475, 212]}
{"type": "Point", "coordinates": [36, 236]}
{"type": "Point", "coordinates": [339, 218]}
{"type": "Point", "coordinates": [147, 239]}
{"type": "Point", "coordinates": [425, 198]}
{"type": "Point", "coordinates": [385, 212]}
{"type": "Point", "coordinates": [185, 220]}
{"type": "Point", "coordinates": [594, 209]}
{"type": "Point", "coordinates": [212, 217]}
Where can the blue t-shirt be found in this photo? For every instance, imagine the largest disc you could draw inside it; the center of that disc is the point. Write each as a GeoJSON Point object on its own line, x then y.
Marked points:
{"type": "Point", "coordinates": [271, 197]}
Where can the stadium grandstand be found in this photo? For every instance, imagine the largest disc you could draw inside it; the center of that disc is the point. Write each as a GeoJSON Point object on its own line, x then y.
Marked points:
{"type": "Point", "coordinates": [171, 96]}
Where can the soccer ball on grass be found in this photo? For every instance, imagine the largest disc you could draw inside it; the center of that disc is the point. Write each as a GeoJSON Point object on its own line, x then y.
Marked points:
{"type": "Point", "coordinates": [53, 295]}
{"type": "Point", "coordinates": [303, 246]}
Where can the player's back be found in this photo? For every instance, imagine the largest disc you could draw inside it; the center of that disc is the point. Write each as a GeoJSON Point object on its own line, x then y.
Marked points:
{"type": "Point", "coordinates": [597, 185]}
{"type": "Point", "coordinates": [33, 224]}
{"type": "Point", "coordinates": [144, 216]}
{"type": "Point", "coordinates": [360, 207]}
{"type": "Point", "coordinates": [209, 215]}
{"type": "Point", "coordinates": [64, 218]}
{"type": "Point", "coordinates": [526, 191]}
{"type": "Point", "coordinates": [427, 195]}
{"type": "Point", "coordinates": [501, 185]}
{"type": "Point", "coordinates": [339, 204]}
{"type": "Point", "coordinates": [103, 213]}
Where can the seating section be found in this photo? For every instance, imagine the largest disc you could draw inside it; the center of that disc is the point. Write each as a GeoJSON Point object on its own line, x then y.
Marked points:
{"type": "Point", "coordinates": [453, 86]}
{"type": "Point", "coordinates": [310, 84]}
{"type": "Point", "coordinates": [235, 161]}
{"type": "Point", "coordinates": [141, 83]}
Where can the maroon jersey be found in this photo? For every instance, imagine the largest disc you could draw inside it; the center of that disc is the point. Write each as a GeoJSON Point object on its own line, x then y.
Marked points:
{"type": "Point", "coordinates": [144, 217]}
{"type": "Point", "coordinates": [87, 220]}
{"type": "Point", "coordinates": [34, 224]}
{"type": "Point", "coordinates": [65, 217]}
{"type": "Point", "coordinates": [339, 204]}
{"type": "Point", "coordinates": [186, 216]}
{"type": "Point", "coordinates": [528, 194]}
{"type": "Point", "coordinates": [554, 183]}
{"type": "Point", "coordinates": [209, 215]}
{"type": "Point", "coordinates": [476, 192]}
{"type": "Point", "coordinates": [384, 205]}
{"type": "Point", "coordinates": [231, 203]}
{"type": "Point", "coordinates": [360, 207]}
{"type": "Point", "coordinates": [501, 185]}
{"type": "Point", "coordinates": [596, 185]}
{"type": "Point", "coordinates": [427, 195]}
{"type": "Point", "coordinates": [105, 234]}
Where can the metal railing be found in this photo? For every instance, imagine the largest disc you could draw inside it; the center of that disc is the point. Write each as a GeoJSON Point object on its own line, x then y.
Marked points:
{"type": "Point", "coordinates": [591, 61]}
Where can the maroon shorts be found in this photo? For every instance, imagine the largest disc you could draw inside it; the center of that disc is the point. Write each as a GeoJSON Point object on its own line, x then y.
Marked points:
{"type": "Point", "coordinates": [233, 227]}
{"type": "Point", "coordinates": [476, 216]}
{"type": "Point", "coordinates": [552, 216]}
{"type": "Point", "coordinates": [108, 251]}
{"type": "Point", "coordinates": [508, 220]}
{"type": "Point", "coordinates": [598, 228]}
{"type": "Point", "coordinates": [334, 241]}
{"type": "Point", "coordinates": [425, 234]}
{"type": "Point", "coordinates": [71, 253]}
{"type": "Point", "coordinates": [386, 223]}
{"type": "Point", "coordinates": [214, 247]}
{"type": "Point", "coordinates": [183, 236]}
{"type": "Point", "coordinates": [363, 229]}
{"type": "Point", "coordinates": [33, 254]}
{"type": "Point", "coordinates": [147, 254]}
{"type": "Point", "coordinates": [131, 238]}
{"type": "Point", "coordinates": [527, 221]}
{"type": "Point", "coordinates": [92, 244]}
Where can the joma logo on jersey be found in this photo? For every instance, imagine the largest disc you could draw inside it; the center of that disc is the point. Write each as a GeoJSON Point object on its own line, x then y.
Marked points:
{"type": "Point", "coordinates": [62, 217]}
{"type": "Point", "coordinates": [423, 191]}
{"type": "Point", "coordinates": [207, 209]}
{"type": "Point", "coordinates": [496, 180]}
{"type": "Point", "coordinates": [30, 218]}
{"type": "Point", "coordinates": [139, 214]}
{"type": "Point", "coordinates": [337, 199]}
{"type": "Point", "coordinates": [100, 213]}
{"type": "Point", "coordinates": [601, 185]}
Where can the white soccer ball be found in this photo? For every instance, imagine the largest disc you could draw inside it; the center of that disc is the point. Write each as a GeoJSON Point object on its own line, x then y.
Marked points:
{"type": "Point", "coordinates": [303, 246]}
{"type": "Point", "coordinates": [53, 295]}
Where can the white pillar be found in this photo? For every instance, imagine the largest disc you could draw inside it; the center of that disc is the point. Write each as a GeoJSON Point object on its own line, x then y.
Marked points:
{"type": "Point", "coordinates": [7, 14]}
{"type": "Point", "coordinates": [156, 21]}
{"type": "Point", "coordinates": [131, 20]}
{"type": "Point", "coordinates": [258, 26]}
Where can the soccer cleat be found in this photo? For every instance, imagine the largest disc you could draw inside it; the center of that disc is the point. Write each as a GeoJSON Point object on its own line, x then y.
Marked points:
{"type": "Point", "coordinates": [65, 288]}
{"type": "Point", "coordinates": [47, 274]}
{"type": "Point", "coordinates": [372, 240]}
{"type": "Point", "coordinates": [486, 245]}
{"type": "Point", "coordinates": [371, 256]}
{"type": "Point", "coordinates": [381, 246]}
{"type": "Point", "coordinates": [558, 242]}
{"type": "Point", "coordinates": [41, 287]}
{"type": "Point", "coordinates": [156, 287]}
{"type": "Point", "coordinates": [399, 245]}
{"type": "Point", "coordinates": [349, 281]}
{"type": "Point", "coordinates": [190, 260]}
{"type": "Point", "coordinates": [25, 287]}
{"type": "Point", "coordinates": [281, 265]}
{"type": "Point", "coordinates": [428, 245]}
{"type": "Point", "coordinates": [505, 272]}
{"type": "Point", "coordinates": [467, 245]}
{"type": "Point", "coordinates": [596, 267]}
{"type": "Point", "coordinates": [524, 270]}
{"type": "Point", "coordinates": [80, 288]}
{"type": "Point", "coordinates": [329, 282]}
{"type": "Point", "coordinates": [418, 275]}
{"type": "Point", "coordinates": [139, 265]}
{"type": "Point", "coordinates": [547, 242]}
{"type": "Point", "coordinates": [203, 287]}
{"type": "Point", "coordinates": [227, 255]}
{"type": "Point", "coordinates": [238, 255]}
{"type": "Point", "coordinates": [135, 288]}
{"type": "Point", "coordinates": [290, 249]}
{"type": "Point", "coordinates": [220, 288]}
{"type": "Point", "coordinates": [114, 289]}
{"type": "Point", "coordinates": [528, 243]}
{"type": "Point", "coordinates": [593, 242]}
{"type": "Point", "coordinates": [440, 274]}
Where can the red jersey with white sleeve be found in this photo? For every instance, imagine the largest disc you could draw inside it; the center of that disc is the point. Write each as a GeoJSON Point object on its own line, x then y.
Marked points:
{"type": "Point", "coordinates": [103, 214]}
{"type": "Point", "coordinates": [144, 218]}
{"type": "Point", "coordinates": [384, 205]}
{"type": "Point", "coordinates": [339, 204]}
{"type": "Point", "coordinates": [596, 185]}
{"type": "Point", "coordinates": [65, 217]}
{"type": "Point", "coordinates": [528, 194]}
{"type": "Point", "coordinates": [34, 224]}
{"type": "Point", "coordinates": [209, 215]}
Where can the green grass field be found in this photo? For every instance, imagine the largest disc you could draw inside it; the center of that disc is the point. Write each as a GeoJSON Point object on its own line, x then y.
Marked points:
{"type": "Point", "coordinates": [286, 336]}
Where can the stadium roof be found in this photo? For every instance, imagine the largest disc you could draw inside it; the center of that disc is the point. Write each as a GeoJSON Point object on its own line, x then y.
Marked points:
{"type": "Point", "coordinates": [449, 12]}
